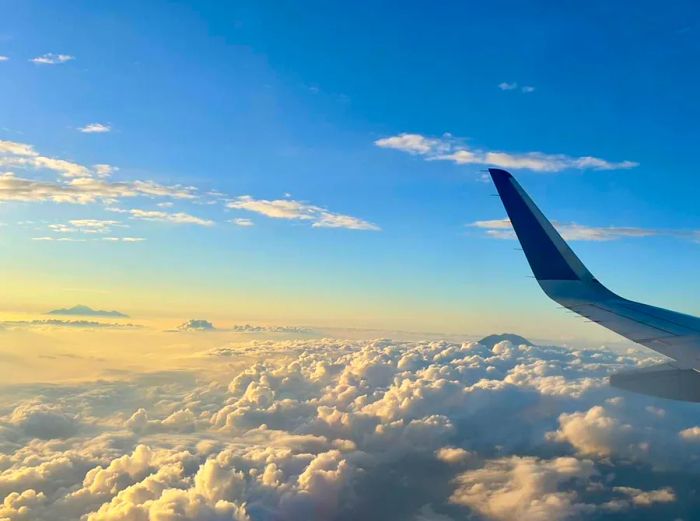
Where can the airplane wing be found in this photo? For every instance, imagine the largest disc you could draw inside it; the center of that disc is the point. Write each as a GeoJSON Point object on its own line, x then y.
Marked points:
{"type": "Point", "coordinates": [564, 278]}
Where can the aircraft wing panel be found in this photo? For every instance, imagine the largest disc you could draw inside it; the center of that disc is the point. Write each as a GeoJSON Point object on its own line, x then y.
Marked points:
{"type": "Point", "coordinates": [565, 279]}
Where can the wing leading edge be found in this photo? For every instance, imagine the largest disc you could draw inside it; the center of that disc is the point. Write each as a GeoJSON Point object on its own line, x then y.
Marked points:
{"type": "Point", "coordinates": [564, 278]}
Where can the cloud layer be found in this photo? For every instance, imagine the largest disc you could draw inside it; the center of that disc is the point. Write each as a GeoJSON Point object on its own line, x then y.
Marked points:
{"type": "Point", "coordinates": [448, 149]}
{"type": "Point", "coordinates": [331, 429]}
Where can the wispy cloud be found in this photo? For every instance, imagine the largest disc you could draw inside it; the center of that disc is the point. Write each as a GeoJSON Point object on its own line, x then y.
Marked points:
{"type": "Point", "coordinates": [450, 149]}
{"type": "Point", "coordinates": [78, 183]}
{"type": "Point", "coordinates": [502, 229]}
{"type": "Point", "coordinates": [526, 89]}
{"type": "Point", "coordinates": [4, 58]}
{"type": "Point", "coordinates": [242, 221]}
{"type": "Point", "coordinates": [507, 86]}
{"type": "Point", "coordinates": [300, 211]}
{"type": "Point", "coordinates": [95, 128]}
{"type": "Point", "coordinates": [82, 190]}
{"type": "Point", "coordinates": [157, 215]}
{"type": "Point", "coordinates": [85, 226]}
{"type": "Point", "coordinates": [52, 59]}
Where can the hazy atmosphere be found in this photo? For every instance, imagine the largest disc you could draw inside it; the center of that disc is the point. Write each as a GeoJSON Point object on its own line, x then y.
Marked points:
{"type": "Point", "coordinates": [252, 259]}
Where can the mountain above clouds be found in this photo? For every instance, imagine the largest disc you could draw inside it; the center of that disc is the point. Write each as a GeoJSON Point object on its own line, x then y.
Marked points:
{"type": "Point", "coordinates": [86, 311]}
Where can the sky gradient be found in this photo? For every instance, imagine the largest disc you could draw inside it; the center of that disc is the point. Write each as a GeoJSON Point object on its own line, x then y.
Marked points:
{"type": "Point", "coordinates": [266, 165]}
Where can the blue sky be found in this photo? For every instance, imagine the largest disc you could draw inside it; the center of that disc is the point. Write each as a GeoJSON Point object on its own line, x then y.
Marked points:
{"type": "Point", "coordinates": [286, 102]}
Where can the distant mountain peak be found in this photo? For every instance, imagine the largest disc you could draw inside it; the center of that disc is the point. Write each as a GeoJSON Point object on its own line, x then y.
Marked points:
{"type": "Point", "coordinates": [492, 340]}
{"type": "Point", "coordinates": [86, 311]}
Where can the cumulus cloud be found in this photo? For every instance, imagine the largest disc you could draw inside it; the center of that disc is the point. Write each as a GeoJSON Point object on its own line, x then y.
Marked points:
{"type": "Point", "coordinates": [448, 149]}
{"type": "Point", "coordinates": [196, 325]}
{"type": "Point", "coordinates": [332, 429]}
{"type": "Point", "coordinates": [52, 59]}
{"type": "Point", "coordinates": [525, 488]}
{"type": "Point", "coordinates": [297, 210]}
{"type": "Point", "coordinates": [95, 128]}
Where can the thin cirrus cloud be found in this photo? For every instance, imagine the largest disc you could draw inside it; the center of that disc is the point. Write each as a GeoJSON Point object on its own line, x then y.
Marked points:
{"type": "Point", "coordinates": [95, 128]}
{"type": "Point", "coordinates": [243, 222]}
{"type": "Point", "coordinates": [85, 226]}
{"type": "Point", "coordinates": [52, 59]}
{"type": "Point", "coordinates": [502, 229]}
{"type": "Point", "coordinates": [449, 149]}
{"type": "Point", "coordinates": [526, 89]}
{"type": "Point", "coordinates": [299, 211]}
{"type": "Point", "coordinates": [157, 215]}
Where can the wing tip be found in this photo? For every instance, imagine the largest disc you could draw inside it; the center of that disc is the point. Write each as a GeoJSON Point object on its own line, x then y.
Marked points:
{"type": "Point", "coordinates": [499, 174]}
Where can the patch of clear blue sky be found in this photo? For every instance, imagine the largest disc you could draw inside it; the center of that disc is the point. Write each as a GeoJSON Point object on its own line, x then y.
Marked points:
{"type": "Point", "coordinates": [264, 98]}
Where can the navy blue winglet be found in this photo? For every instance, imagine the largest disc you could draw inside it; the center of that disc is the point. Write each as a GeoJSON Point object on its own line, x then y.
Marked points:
{"type": "Point", "coordinates": [549, 256]}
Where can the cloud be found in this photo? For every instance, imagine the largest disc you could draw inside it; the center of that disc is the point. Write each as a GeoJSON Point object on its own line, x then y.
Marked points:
{"type": "Point", "coordinates": [86, 311]}
{"type": "Point", "coordinates": [52, 59]}
{"type": "Point", "coordinates": [296, 210]}
{"type": "Point", "coordinates": [56, 323]}
{"type": "Point", "coordinates": [85, 226]}
{"type": "Point", "coordinates": [526, 89]}
{"type": "Point", "coordinates": [337, 429]}
{"type": "Point", "coordinates": [448, 149]}
{"type": "Point", "coordinates": [79, 184]}
{"type": "Point", "coordinates": [95, 128]}
{"type": "Point", "coordinates": [4, 58]}
{"type": "Point", "coordinates": [525, 488]}
{"type": "Point", "coordinates": [205, 325]}
{"type": "Point", "coordinates": [196, 325]}
{"type": "Point", "coordinates": [507, 86]}
{"type": "Point", "coordinates": [124, 239]}
{"type": "Point", "coordinates": [157, 215]}
{"type": "Point", "coordinates": [241, 221]}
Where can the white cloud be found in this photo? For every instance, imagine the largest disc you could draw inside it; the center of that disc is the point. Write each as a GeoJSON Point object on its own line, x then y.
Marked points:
{"type": "Point", "coordinates": [296, 210]}
{"type": "Point", "coordinates": [528, 89]}
{"type": "Point", "coordinates": [507, 86]}
{"type": "Point", "coordinates": [339, 429]}
{"type": "Point", "coordinates": [241, 221]}
{"type": "Point", "coordinates": [525, 488]}
{"type": "Point", "coordinates": [85, 226]}
{"type": "Point", "coordinates": [4, 58]}
{"type": "Point", "coordinates": [646, 498]}
{"type": "Point", "coordinates": [95, 128]}
{"type": "Point", "coordinates": [502, 229]}
{"type": "Point", "coordinates": [447, 149]}
{"type": "Point", "coordinates": [157, 215]}
{"type": "Point", "coordinates": [52, 59]}
{"type": "Point", "coordinates": [690, 434]}
{"type": "Point", "coordinates": [82, 190]}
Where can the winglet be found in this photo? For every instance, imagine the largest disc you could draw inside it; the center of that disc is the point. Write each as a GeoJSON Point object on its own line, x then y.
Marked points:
{"type": "Point", "coordinates": [548, 255]}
